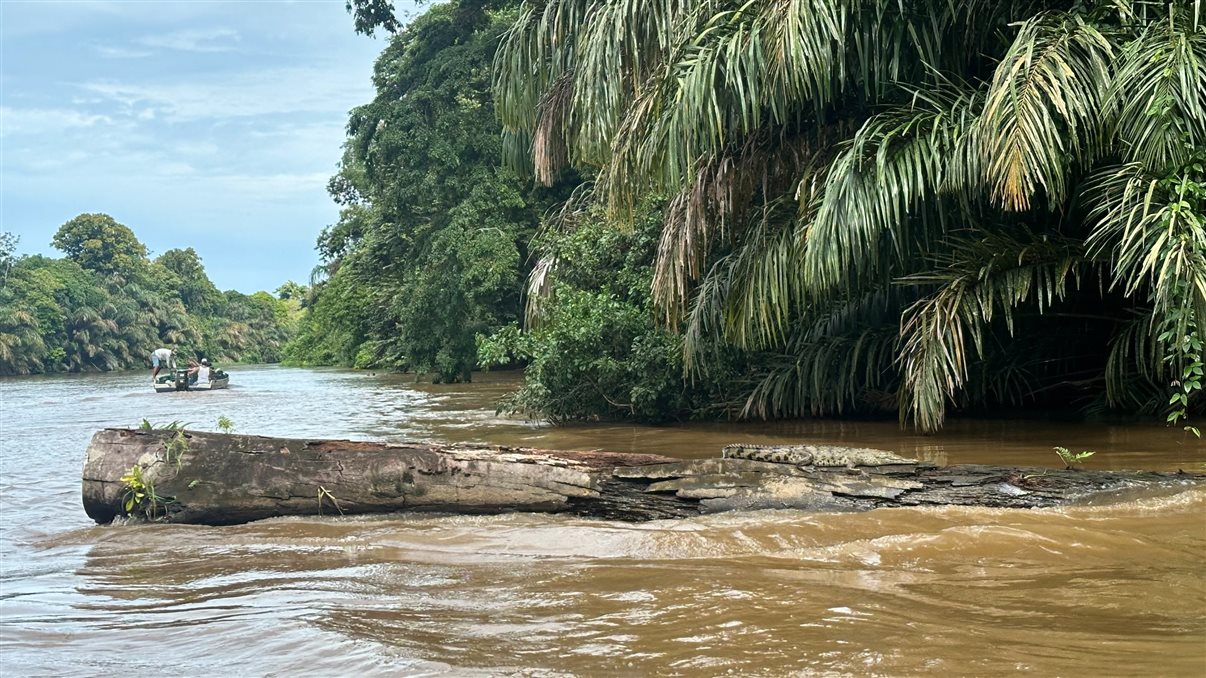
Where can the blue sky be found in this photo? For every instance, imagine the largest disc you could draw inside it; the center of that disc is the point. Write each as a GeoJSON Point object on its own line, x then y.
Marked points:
{"type": "Point", "coordinates": [212, 125]}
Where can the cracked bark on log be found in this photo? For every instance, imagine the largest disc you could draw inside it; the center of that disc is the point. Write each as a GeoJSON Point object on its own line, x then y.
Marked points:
{"type": "Point", "coordinates": [224, 479]}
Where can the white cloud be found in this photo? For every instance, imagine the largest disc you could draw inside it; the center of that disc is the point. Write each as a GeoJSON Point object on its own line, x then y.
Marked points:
{"type": "Point", "coordinates": [112, 52]}
{"type": "Point", "coordinates": [195, 40]}
{"type": "Point", "coordinates": [264, 92]}
{"type": "Point", "coordinates": [40, 121]}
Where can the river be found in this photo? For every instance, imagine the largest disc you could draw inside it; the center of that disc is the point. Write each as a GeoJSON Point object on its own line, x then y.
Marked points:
{"type": "Point", "coordinates": [1116, 588]}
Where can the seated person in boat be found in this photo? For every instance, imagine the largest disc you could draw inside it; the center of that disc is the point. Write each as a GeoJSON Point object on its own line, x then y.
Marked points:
{"type": "Point", "coordinates": [200, 373]}
{"type": "Point", "coordinates": [162, 357]}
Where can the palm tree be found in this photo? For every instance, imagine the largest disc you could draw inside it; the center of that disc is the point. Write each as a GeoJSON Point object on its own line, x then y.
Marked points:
{"type": "Point", "coordinates": [89, 333]}
{"type": "Point", "coordinates": [21, 344]}
{"type": "Point", "coordinates": [922, 202]}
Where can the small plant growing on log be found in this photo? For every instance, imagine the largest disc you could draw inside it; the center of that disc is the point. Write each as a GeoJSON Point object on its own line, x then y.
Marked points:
{"type": "Point", "coordinates": [139, 495]}
{"type": "Point", "coordinates": [1069, 458]}
{"type": "Point", "coordinates": [176, 447]}
{"type": "Point", "coordinates": [135, 491]}
{"type": "Point", "coordinates": [177, 425]}
{"type": "Point", "coordinates": [225, 425]}
{"type": "Point", "coordinates": [323, 493]}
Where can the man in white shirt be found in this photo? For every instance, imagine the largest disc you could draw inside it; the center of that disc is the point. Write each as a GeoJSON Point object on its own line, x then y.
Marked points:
{"type": "Point", "coordinates": [162, 357]}
{"type": "Point", "coordinates": [202, 372]}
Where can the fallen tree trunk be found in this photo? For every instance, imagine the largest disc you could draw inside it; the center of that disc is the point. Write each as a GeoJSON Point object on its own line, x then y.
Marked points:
{"type": "Point", "coordinates": [213, 478]}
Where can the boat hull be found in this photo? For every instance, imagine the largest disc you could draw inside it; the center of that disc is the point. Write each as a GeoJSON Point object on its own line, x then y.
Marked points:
{"type": "Point", "coordinates": [180, 382]}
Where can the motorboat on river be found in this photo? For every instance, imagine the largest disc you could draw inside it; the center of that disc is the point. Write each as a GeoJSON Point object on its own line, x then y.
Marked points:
{"type": "Point", "coordinates": [181, 380]}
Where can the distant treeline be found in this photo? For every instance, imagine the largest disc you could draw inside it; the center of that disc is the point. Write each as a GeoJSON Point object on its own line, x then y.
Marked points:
{"type": "Point", "coordinates": [106, 306]}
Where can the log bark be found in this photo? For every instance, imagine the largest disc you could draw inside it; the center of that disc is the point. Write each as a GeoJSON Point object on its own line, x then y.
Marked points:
{"type": "Point", "coordinates": [214, 478]}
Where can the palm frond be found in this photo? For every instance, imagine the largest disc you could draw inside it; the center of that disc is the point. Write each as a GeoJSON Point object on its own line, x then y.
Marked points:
{"type": "Point", "coordinates": [898, 160]}
{"type": "Point", "coordinates": [727, 196]}
{"type": "Point", "coordinates": [539, 289]}
{"type": "Point", "coordinates": [539, 292]}
{"type": "Point", "coordinates": [703, 334]}
{"type": "Point", "coordinates": [620, 47]}
{"type": "Point", "coordinates": [980, 278]}
{"type": "Point", "coordinates": [1044, 108]}
{"type": "Point", "coordinates": [1153, 232]}
{"type": "Point", "coordinates": [766, 285]}
{"type": "Point", "coordinates": [827, 376]}
{"type": "Point", "coordinates": [1135, 370]}
{"type": "Point", "coordinates": [1160, 91]}
{"type": "Point", "coordinates": [550, 154]}
{"type": "Point", "coordinates": [837, 358]}
{"type": "Point", "coordinates": [536, 51]}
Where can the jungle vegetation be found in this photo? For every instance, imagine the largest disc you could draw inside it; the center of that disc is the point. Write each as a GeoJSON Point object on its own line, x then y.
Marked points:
{"type": "Point", "coordinates": [433, 236]}
{"type": "Point", "coordinates": [859, 206]}
{"type": "Point", "coordinates": [105, 306]}
{"type": "Point", "coordinates": [938, 205]}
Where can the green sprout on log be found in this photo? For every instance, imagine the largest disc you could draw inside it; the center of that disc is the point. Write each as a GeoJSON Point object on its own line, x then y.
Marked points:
{"type": "Point", "coordinates": [177, 425]}
{"type": "Point", "coordinates": [139, 495]}
{"type": "Point", "coordinates": [135, 490]}
{"type": "Point", "coordinates": [225, 425]}
{"type": "Point", "coordinates": [1069, 458]}
{"type": "Point", "coordinates": [323, 493]}
{"type": "Point", "coordinates": [176, 447]}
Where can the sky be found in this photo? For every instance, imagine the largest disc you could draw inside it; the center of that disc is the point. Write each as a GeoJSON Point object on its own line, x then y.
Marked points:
{"type": "Point", "coordinates": [211, 125]}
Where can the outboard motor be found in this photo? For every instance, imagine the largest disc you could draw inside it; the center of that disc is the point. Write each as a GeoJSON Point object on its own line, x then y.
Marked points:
{"type": "Point", "coordinates": [181, 380]}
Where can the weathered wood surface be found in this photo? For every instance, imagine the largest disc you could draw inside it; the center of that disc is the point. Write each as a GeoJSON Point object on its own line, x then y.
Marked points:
{"type": "Point", "coordinates": [222, 479]}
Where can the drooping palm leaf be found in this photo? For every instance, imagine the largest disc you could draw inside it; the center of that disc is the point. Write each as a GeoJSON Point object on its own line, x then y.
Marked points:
{"type": "Point", "coordinates": [896, 161]}
{"type": "Point", "coordinates": [1153, 231]}
{"type": "Point", "coordinates": [980, 278]}
{"type": "Point", "coordinates": [1044, 108]}
{"type": "Point", "coordinates": [1159, 91]}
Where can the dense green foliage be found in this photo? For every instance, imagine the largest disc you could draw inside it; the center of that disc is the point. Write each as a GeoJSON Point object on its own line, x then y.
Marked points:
{"type": "Point", "coordinates": [431, 246]}
{"type": "Point", "coordinates": [593, 348]}
{"type": "Point", "coordinates": [106, 306]}
{"type": "Point", "coordinates": [924, 204]}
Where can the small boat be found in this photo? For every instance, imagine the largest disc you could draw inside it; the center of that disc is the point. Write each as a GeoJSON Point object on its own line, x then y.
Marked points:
{"type": "Point", "coordinates": [181, 380]}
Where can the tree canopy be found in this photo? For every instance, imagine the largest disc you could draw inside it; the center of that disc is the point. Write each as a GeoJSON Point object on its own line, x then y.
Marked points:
{"type": "Point", "coordinates": [196, 291]}
{"type": "Point", "coordinates": [430, 248]}
{"type": "Point", "coordinates": [98, 243]}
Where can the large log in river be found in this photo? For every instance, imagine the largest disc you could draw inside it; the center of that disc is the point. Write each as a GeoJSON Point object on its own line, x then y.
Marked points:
{"type": "Point", "coordinates": [215, 479]}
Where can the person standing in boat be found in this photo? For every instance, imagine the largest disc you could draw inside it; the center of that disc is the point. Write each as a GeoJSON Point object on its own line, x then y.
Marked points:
{"type": "Point", "coordinates": [162, 357]}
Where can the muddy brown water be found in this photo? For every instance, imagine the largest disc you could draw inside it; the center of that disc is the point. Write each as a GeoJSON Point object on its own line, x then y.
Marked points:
{"type": "Point", "coordinates": [1114, 588]}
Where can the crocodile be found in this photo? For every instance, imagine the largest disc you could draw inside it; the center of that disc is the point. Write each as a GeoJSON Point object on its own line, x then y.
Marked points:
{"type": "Point", "coordinates": [815, 455]}
{"type": "Point", "coordinates": [799, 455]}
